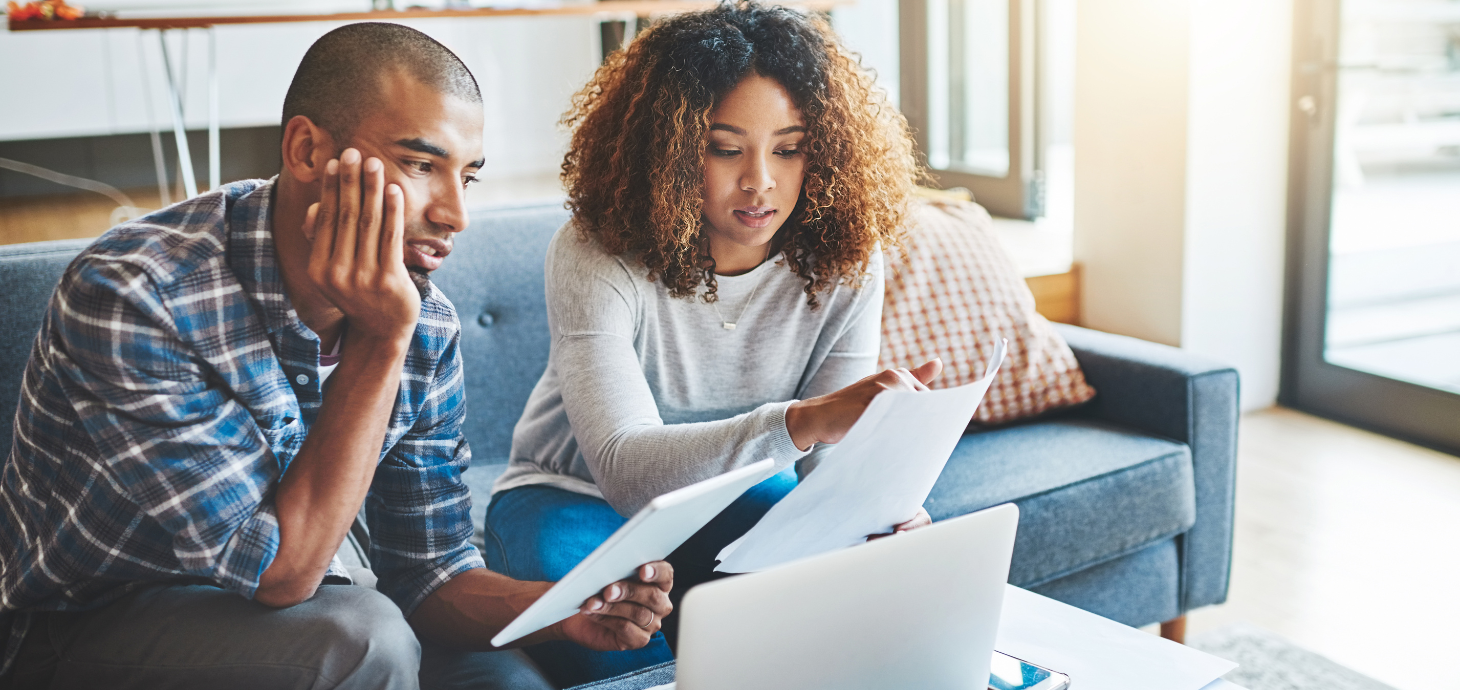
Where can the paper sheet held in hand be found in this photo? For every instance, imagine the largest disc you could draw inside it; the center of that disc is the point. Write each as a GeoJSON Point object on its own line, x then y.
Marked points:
{"type": "Point", "coordinates": [877, 477]}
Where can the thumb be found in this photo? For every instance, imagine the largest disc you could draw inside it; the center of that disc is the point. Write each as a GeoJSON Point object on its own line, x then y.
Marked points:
{"type": "Point", "coordinates": [928, 371]}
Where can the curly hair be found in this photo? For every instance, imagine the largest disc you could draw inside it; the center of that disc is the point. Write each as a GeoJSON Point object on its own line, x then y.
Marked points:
{"type": "Point", "coordinates": [634, 169]}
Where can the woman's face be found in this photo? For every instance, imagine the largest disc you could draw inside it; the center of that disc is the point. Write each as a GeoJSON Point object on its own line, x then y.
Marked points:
{"type": "Point", "coordinates": [753, 170]}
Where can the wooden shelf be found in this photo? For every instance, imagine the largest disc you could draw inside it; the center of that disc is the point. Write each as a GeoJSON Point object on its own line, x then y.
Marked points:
{"type": "Point", "coordinates": [640, 8]}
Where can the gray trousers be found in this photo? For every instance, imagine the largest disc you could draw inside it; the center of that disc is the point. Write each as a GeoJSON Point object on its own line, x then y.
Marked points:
{"type": "Point", "coordinates": [201, 637]}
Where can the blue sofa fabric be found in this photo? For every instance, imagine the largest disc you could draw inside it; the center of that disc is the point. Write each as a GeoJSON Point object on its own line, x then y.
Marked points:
{"type": "Point", "coordinates": [1126, 502]}
{"type": "Point", "coordinates": [28, 276]}
{"type": "Point", "coordinates": [1087, 492]}
{"type": "Point", "coordinates": [1174, 394]}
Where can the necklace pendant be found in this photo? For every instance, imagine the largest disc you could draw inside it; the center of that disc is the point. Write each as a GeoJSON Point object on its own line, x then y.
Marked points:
{"type": "Point", "coordinates": [727, 325]}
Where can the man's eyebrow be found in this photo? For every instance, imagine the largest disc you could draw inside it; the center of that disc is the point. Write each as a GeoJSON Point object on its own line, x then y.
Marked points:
{"type": "Point", "coordinates": [420, 145]}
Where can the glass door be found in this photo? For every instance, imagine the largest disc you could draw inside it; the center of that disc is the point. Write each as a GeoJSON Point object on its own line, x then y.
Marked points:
{"type": "Point", "coordinates": [1374, 256]}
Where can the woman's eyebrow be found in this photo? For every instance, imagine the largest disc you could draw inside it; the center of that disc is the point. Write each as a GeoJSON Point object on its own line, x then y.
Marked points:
{"type": "Point", "coordinates": [722, 127]}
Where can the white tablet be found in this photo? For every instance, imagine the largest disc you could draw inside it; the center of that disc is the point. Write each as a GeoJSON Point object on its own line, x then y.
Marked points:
{"type": "Point", "coordinates": [649, 536]}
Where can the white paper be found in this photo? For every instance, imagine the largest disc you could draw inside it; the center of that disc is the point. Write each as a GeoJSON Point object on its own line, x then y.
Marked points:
{"type": "Point", "coordinates": [876, 478]}
{"type": "Point", "coordinates": [1099, 653]}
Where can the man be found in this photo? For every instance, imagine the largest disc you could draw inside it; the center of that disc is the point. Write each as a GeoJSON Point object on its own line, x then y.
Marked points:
{"type": "Point", "coordinates": [178, 452]}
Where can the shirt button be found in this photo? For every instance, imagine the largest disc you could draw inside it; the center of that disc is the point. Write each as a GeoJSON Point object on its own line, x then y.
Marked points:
{"type": "Point", "coordinates": [301, 379]}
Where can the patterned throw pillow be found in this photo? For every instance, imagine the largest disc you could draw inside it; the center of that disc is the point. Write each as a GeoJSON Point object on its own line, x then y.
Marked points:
{"type": "Point", "coordinates": [952, 294]}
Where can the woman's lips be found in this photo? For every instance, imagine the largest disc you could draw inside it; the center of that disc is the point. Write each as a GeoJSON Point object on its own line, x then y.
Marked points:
{"type": "Point", "coordinates": [422, 260]}
{"type": "Point", "coordinates": [754, 219]}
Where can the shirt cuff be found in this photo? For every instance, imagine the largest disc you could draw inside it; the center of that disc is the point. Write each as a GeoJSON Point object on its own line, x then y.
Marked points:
{"type": "Point", "coordinates": [249, 552]}
{"type": "Point", "coordinates": [414, 590]}
{"type": "Point", "coordinates": [782, 446]}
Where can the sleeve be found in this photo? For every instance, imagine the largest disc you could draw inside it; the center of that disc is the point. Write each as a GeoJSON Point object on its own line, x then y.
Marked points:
{"type": "Point", "coordinates": [173, 440]}
{"type": "Point", "coordinates": [633, 455]}
{"type": "Point", "coordinates": [419, 509]}
{"type": "Point", "coordinates": [853, 355]}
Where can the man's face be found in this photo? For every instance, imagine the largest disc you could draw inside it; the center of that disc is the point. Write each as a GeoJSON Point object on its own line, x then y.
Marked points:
{"type": "Point", "coordinates": [431, 145]}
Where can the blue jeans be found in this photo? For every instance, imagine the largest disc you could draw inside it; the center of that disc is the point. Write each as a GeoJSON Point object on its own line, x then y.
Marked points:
{"type": "Point", "coordinates": [540, 533]}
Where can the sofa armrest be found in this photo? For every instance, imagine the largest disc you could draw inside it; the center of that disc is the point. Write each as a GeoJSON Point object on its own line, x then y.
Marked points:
{"type": "Point", "coordinates": [1169, 392]}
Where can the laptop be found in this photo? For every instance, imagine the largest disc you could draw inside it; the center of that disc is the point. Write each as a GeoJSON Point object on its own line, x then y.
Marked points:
{"type": "Point", "coordinates": [913, 610]}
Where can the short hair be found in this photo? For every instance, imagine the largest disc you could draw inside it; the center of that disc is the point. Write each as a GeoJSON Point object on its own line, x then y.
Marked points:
{"type": "Point", "coordinates": [339, 77]}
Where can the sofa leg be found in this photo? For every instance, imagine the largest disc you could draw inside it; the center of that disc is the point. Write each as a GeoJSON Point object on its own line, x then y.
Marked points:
{"type": "Point", "coordinates": [1175, 630]}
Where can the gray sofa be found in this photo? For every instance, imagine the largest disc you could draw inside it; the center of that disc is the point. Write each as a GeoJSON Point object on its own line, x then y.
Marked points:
{"type": "Point", "coordinates": [1125, 502]}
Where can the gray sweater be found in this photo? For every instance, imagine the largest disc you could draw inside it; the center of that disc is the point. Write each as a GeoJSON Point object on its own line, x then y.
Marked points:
{"type": "Point", "coordinates": [645, 393]}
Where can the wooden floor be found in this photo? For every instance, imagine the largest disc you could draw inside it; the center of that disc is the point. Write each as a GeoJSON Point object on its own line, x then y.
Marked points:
{"type": "Point", "coordinates": [1348, 544]}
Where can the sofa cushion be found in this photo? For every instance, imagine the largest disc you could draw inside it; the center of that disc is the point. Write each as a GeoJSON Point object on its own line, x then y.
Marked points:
{"type": "Point", "coordinates": [1087, 492]}
{"type": "Point", "coordinates": [953, 292]}
{"type": "Point", "coordinates": [28, 276]}
{"type": "Point", "coordinates": [494, 276]}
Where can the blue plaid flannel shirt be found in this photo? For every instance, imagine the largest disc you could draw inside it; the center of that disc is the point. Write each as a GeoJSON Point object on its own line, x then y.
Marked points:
{"type": "Point", "coordinates": [168, 390]}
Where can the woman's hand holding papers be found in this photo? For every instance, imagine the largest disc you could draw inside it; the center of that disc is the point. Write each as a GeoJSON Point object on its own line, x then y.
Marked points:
{"type": "Point", "coordinates": [625, 614]}
{"type": "Point", "coordinates": [922, 519]}
{"type": "Point", "coordinates": [827, 418]}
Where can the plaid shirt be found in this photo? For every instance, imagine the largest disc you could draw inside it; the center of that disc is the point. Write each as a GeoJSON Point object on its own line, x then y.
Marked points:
{"type": "Point", "coordinates": [168, 390]}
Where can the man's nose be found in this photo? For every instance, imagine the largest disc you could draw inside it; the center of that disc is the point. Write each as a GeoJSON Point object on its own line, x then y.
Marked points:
{"type": "Point", "coordinates": [448, 209]}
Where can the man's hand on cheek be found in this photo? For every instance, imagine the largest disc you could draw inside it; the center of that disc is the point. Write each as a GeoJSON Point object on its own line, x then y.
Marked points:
{"type": "Point", "coordinates": [626, 613]}
{"type": "Point", "coordinates": [357, 260]}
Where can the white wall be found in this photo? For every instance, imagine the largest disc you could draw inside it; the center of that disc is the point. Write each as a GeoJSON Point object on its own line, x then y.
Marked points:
{"type": "Point", "coordinates": [80, 83]}
{"type": "Point", "coordinates": [1236, 201]}
{"type": "Point", "coordinates": [1180, 176]}
{"type": "Point", "coordinates": [1131, 73]}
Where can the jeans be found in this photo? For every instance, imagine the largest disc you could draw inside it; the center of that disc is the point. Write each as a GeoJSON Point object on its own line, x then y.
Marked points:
{"type": "Point", "coordinates": [540, 533]}
{"type": "Point", "coordinates": [199, 636]}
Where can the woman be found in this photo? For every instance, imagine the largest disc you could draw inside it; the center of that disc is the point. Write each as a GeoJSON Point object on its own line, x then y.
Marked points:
{"type": "Point", "coordinates": [716, 298]}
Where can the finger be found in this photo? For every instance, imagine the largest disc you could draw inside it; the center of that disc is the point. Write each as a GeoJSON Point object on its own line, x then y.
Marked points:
{"type": "Point", "coordinates": [641, 617]}
{"type": "Point", "coordinates": [347, 222]}
{"type": "Point", "coordinates": [906, 381]}
{"type": "Point", "coordinates": [929, 370]}
{"type": "Point", "coordinates": [329, 202]}
{"type": "Point", "coordinates": [393, 243]}
{"type": "Point", "coordinates": [372, 179]}
{"type": "Point", "coordinates": [658, 573]}
{"type": "Point", "coordinates": [649, 596]}
{"type": "Point", "coordinates": [628, 635]}
{"type": "Point", "coordinates": [318, 252]}
{"type": "Point", "coordinates": [921, 520]}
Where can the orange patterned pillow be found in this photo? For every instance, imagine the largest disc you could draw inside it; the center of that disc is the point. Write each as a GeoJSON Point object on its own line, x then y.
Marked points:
{"type": "Point", "coordinates": [952, 294]}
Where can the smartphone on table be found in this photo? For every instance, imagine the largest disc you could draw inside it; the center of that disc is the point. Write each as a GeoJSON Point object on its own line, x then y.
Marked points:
{"type": "Point", "coordinates": [1009, 673]}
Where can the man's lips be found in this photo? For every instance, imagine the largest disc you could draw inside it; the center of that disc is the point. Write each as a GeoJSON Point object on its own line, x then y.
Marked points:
{"type": "Point", "coordinates": [426, 254]}
{"type": "Point", "coordinates": [755, 216]}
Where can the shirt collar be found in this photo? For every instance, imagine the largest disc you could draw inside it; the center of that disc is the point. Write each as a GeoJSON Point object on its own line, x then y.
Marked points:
{"type": "Point", "coordinates": [253, 258]}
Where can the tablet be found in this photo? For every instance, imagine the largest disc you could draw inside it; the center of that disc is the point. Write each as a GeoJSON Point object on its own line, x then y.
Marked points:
{"type": "Point", "coordinates": [649, 536]}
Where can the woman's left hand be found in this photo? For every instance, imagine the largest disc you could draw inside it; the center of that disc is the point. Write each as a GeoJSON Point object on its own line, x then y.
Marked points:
{"type": "Point", "coordinates": [922, 519]}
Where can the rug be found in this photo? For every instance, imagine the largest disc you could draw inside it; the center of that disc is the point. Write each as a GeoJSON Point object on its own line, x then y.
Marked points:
{"type": "Point", "coordinates": [1269, 662]}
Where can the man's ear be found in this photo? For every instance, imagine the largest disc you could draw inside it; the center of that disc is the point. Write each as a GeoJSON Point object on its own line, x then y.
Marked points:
{"type": "Point", "coordinates": [306, 149]}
